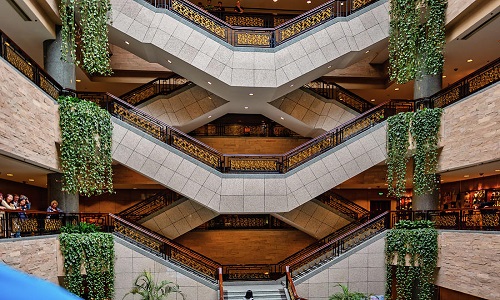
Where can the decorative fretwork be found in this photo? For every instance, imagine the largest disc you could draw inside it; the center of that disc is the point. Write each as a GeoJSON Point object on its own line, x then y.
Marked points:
{"type": "Point", "coordinates": [138, 236]}
{"type": "Point", "coordinates": [359, 3]}
{"type": "Point", "coordinates": [192, 263]}
{"type": "Point", "coordinates": [264, 165]}
{"type": "Point", "coordinates": [447, 98]}
{"type": "Point", "coordinates": [484, 79]}
{"type": "Point", "coordinates": [199, 19]}
{"type": "Point", "coordinates": [279, 20]}
{"type": "Point", "coordinates": [137, 120]}
{"type": "Point", "coordinates": [53, 224]}
{"type": "Point", "coordinates": [308, 23]}
{"type": "Point", "coordinates": [350, 101]}
{"type": "Point", "coordinates": [490, 220]}
{"type": "Point", "coordinates": [253, 39]}
{"type": "Point", "coordinates": [310, 152]}
{"type": "Point", "coordinates": [445, 220]}
{"type": "Point", "coordinates": [246, 21]}
{"type": "Point", "coordinates": [19, 62]}
{"type": "Point", "coordinates": [248, 276]}
{"type": "Point", "coordinates": [362, 124]}
{"type": "Point", "coordinates": [196, 151]}
{"type": "Point", "coordinates": [26, 225]}
{"type": "Point", "coordinates": [48, 87]}
{"type": "Point", "coordinates": [147, 92]}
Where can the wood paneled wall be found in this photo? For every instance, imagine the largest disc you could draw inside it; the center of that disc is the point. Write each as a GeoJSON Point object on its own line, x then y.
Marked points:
{"type": "Point", "coordinates": [252, 145]}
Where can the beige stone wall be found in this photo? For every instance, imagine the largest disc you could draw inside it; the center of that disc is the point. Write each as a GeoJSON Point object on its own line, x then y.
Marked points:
{"type": "Point", "coordinates": [362, 271]}
{"type": "Point", "coordinates": [470, 263]}
{"type": "Point", "coordinates": [38, 257]}
{"type": "Point", "coordinates": [470, 132]}
{"type": "Point", "coordinates": [29, 119]}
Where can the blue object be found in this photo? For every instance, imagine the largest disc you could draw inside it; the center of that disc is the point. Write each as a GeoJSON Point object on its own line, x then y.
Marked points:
{"type": "Point", "coordinates": [15, 285]}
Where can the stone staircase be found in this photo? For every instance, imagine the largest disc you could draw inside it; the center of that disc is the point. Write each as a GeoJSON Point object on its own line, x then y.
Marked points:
{"type": "Point", "coordinates": [260, 292]}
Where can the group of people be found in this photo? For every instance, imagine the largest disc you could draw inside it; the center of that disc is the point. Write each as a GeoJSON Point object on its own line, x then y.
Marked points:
{"type": "Point", "coordinates": [14, 202]}
{"type": "Point", "coordinates": [219, 7]}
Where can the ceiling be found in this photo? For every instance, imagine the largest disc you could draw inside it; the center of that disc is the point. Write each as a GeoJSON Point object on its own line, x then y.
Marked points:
{"type": "Point", "coordinates": [482, 46]}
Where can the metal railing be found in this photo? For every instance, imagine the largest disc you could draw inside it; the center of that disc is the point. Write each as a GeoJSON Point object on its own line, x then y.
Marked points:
{"type": "Point", "coordinates": [150, 205]}
{"type": "Point", "coordinates": [159, 86]}
{"type": "Point", "coordinates": [343, 205]}
{"type": "Point", "coordinates": [335, 92]}
{"type": "Point", "coordinates": [246, 36]}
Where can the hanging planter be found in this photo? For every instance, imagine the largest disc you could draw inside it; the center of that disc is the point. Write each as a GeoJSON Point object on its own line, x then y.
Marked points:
{"type": "Point", "coordinates": [84, 27]}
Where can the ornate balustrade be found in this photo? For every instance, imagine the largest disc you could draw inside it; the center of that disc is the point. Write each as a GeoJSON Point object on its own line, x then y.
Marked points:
{"type": "Point", "coordinates": [290, 286]}
{"type": "Point", "coordinates": [150, 205]}
{"type": "Point", "coordinates": [245, 30]}
{"type": "Point", "coordinates": [336, 92]}
{"type": "Point", "coordinates": [244, 222]}
{"type": "Point", "coordinates": [159, 86]}
{"type": "Point", "coordinates": [343, 205]}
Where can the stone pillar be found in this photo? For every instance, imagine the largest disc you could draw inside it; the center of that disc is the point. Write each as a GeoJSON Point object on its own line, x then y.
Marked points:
{"type": "Point", "coordinates": [61, 71]}
{"type": "Point", "coordinates": [67, 202]}
{"type": "Point", "coordinates": [425, 87]}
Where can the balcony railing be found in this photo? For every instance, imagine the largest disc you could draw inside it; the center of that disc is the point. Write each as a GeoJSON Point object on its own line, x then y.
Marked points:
{"type": "Point", "coordinates": [272, 163]}
{"type": "Point", "coordinates": [150, 205]}
{"type": "Point", "coordinates": [159, 86]}
{"type": "Point", "coordinates": [343, 205]}
{"type": "Point", "coordinates": [246, 36]}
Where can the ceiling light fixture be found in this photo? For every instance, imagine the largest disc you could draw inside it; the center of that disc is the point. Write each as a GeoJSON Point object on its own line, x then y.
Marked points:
{"type": "Point", "coordinates": [308, 1]}
{"type": "Point", "coordinates": [275, 0]}
{"type": "Point", "coordinates": [396, 89]}
{"type": "Point", "coordinates": [127, 43]}
{"type": "Point", "coordinates": [367, 51]}
{"type": "Point", "coordinates": [169, 61]}
{"type": "Point", "coordinates": [282, 118]}
{"type": "Point", "coordinates": [329, 67]}
{"type": "Point", "coordinates": [444, 76]}
{"type": "Point", "coordinates": [10, 174]}
{"type": "Point", "coordinates": [250, 94]}
{"type": "Point", "coordinates": [466, 176]}
{"type": "Point", "coordinates": [469, 60]}
{"type": "Point", "coordinates": [497, 170]}
{"type": "Point", "coordinates": [291, 85]}
{"type": "Point", "coordinates": [78, 80]}
{"type": "Point", "coordinates": [31, 179]}
{"type": "Point", "coordinates": [246, 107]}
{"type": "Point", "coordinates": [209, 117]}
{"type": "Point", "coordinates": [372, 100]}
{"type": "Point", "coordinates": [209, 82]}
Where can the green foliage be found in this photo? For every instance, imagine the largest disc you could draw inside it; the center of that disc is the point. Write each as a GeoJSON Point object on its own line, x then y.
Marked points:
{"type": "Point", "coordinates": [95, 252]}
{"type": "Point", "coordinates": [86, 158]}
{"type": "Point", "coordinates": [347, 295]}
{"type": "Point", "coordinates": [81, 227]}
{"type": "Point", "coordinates": [418, 241]}
{"type": "Point", "coordinates": [150, 289]}
{"type": "Point", "coordinates": [91, 30]}
{"type": "Point", "coordinates": [425, 131]}
{"type": "Point", "coordinates": [416, 38]}
{"type": "Point", "coordinates": [398, 130]}
{"type": "Point", "coordinates": [423, 127]}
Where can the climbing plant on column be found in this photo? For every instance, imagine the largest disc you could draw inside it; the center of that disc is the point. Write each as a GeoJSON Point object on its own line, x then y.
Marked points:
{"type": "Point", "coordinates": [398, 141]}
{"type": "Point", "coordinates": [416, 38]}
{"type": "Point", "coordinates": [86, 131]}
{"type": "Point", "coordinates": [84, 26]}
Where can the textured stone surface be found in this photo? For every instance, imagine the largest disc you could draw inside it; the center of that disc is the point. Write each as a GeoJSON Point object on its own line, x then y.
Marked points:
{"type": "Point", "coordinates": [24, 108]}
{"type": "Point", "coordinates": [470, 132]}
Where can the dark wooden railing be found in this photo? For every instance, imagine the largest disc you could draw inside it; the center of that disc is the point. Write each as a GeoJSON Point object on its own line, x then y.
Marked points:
{"type": "Point", "coordinates": [252, 19]}
{"type": "Point", "coordinates": [150, 205]}
{"type": "Point", "coordinates": [221, 285]}
{"type": "Point", "coordinates": [290, 286]}
{"type": "Point", "coordinates": [343, 205]}
{"type": "Point", "coordinates": [246, 36]}
{"type": "Point", "coordinates": [272, 163]}
{"type": "Point", "coordinates": [156, 87]}
{"type": "Point", "coordinates": [335, 92]}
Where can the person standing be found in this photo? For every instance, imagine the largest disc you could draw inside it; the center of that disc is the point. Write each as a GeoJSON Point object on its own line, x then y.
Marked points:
{"type": "Point", "coordinates": [238, 7]}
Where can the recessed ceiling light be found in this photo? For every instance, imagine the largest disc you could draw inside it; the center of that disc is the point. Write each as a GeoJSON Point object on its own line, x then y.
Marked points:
{"type": "Point", "coordinates": [396, 89]}
{"type": "Point", "coordinates": [469, 60]}
{"type": "Point", "coordinates": [209, 82]}
{"type": "Point", "coordinates": [31, 179]}
{"type": "Point", "coordinates": [341, 3]}
{"type": "Point", "coordinates": [497, 170]}
{"type": "Point", "coordinates": [444, 76]}
{"type": "Point", "coordinates": [134, 188]}
{"type": "Point", "coordinates": [210, 98]}
{"type": "Point", "coordinates": [329, 67]}
{"type": "Point", "coordinates": [246, 107]}
{"type": "Point", "coordinates": [372, 100]}
{"type": "Point", "coordinates": [250, 94]}
{"type": "Point", "coordinates": [78, 80]}
{"type": "Point", "coordinates": [275, 0]}
{"type": "Point", "coordinates": [126, 42]}
{"type": "Point", "coordinates": [308, 1]}
{"type": "Point", "coordinates": [282, 118]}
{"type": "Point", "coordinates": [367, 51]}
{"type": "Point", "coordinates": [209, 117]}
{"type": "Point", "coordinates": [291, 85]}
{"type": "Point", "coordinates": [10, 174]}
{"type": "Point", "coordinates": [442, 180]}
{"type": "Point", "coordinates": [466, 176]}
{"type": "Point", "coordinates": [169, 61]}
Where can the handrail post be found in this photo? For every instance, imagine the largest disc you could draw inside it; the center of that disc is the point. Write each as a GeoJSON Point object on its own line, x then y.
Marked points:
{"type": "Point", "coordinates": [221, 286]}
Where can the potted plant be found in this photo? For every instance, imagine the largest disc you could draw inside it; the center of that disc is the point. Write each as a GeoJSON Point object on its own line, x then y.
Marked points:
{"type": "Point", "coordinates": [347, 295]}
{"type": "Point", "coordinates": [150, 289]}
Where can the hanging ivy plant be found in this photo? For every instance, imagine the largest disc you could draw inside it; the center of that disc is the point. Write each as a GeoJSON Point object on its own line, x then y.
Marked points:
{"type": "Point", "coordinates": [398, 128]}
{"type": "Point", "coordinates": [86, 158]}
{"type": "Point", "coordinates": [84, 23]}
{"type": "Point", "coordinates": [425, 132]}
{"type": "Point", "coordinates": [417, 241]}
{"type": "Point", "coordinates": [423, 127]}
{"type": "Point", "coordinates": [95, 252]}
{"type": "Point", "coordinates": [416, 38]}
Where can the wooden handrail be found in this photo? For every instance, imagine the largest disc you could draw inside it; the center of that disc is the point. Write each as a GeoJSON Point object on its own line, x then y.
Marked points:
{"type": "Point", "coordinates": [292, 285]}
{"type": "Point", "coordinates": [221, 286]}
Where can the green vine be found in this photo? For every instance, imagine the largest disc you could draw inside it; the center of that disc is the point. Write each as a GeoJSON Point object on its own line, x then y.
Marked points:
{"type": "Point", "coordinates": [425, 132]}
{"type": "Point", "coordinates": [89, 31]}
{"type": "Point", "coordinates": [95, 252]}
{"type": "Point", "coordinates": [418, 242]}
{"type": "Point", "coordinates": [86, 158]}
{"type": "Point", "coordinates": [398, 129]}
{"type": "Point", "coordinates": [416, 38]}
{"type": "Point", "coordinates": [423, 127]}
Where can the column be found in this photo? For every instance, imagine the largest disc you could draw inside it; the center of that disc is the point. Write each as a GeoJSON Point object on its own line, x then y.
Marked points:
{"type": "Point", "coordinates": [61, 71]}
{"type": "Point", "coordinates": [67, 202]}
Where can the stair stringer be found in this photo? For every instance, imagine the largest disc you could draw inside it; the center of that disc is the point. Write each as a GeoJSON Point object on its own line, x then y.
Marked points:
{"type": "Point", "coordinates": [246, 193]}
